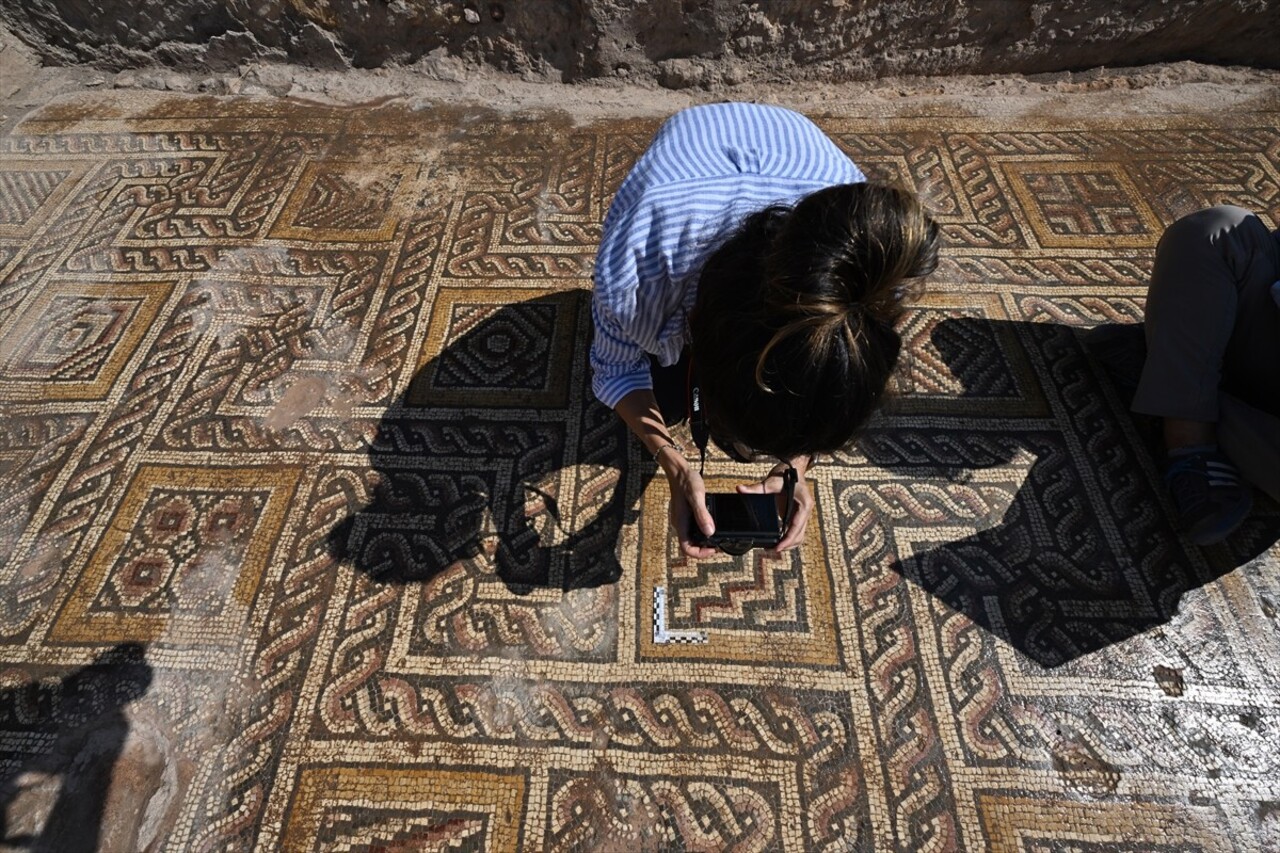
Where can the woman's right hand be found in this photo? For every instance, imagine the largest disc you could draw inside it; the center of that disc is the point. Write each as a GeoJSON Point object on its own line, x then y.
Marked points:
{"type": "Point", "coordinates": [688, 504]}
{"type": "Point", "coordinates": [639, 409]}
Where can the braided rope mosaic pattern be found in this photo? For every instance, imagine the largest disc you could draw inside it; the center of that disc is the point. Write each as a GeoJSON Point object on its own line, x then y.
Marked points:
{"type": "Point", "coordinates": [302, 486]}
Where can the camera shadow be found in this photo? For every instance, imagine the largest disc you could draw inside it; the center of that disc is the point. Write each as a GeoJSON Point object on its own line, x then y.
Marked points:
{"type": "Point", "coordinates": [498, 452]}
{"type": "Point", "coordinates": [1086, 554]}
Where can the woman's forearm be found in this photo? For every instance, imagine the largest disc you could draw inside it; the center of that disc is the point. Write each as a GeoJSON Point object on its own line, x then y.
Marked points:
{"type": "Point", "coordinates": [639, 410]}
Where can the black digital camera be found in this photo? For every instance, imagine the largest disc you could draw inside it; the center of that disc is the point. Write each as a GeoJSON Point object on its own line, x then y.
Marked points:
{"type": "Point", "coordinates": [744, 522]}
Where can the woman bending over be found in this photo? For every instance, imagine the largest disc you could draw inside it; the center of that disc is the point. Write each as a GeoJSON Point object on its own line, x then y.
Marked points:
{"type": "Point", "coordinates": [747, 264]}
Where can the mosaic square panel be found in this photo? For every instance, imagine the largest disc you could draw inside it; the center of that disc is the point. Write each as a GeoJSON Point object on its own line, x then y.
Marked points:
{"type": "Point", "coordinates": [501, 348]}
{"type": "Point", "coordinates": [405, 808]}
{"type": "Point", "coordinates": [949, 366]}
{"type": "Point", "coordinates": [183, 555]}
{"type": "Point", "coordinates": [72, 341]}
{"type": "Point", "coordinates": [344, 201]}
{"type": "Point", "coordinates": [754, 608]}
{"type": "Point", "coordinates": [1177, 188]}
{"type": "Point", "coordinates": [1082, 205]}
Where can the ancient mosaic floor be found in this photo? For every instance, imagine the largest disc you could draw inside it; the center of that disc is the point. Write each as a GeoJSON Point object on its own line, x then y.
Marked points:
{"type": "Point", "coordinates": [313, 539]}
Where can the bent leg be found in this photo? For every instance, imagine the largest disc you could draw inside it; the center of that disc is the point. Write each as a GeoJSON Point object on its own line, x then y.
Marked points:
{"type": "Point", "coordinates": [1250, 438]}
{"type": "Point", "coordinates": [1212, 276]}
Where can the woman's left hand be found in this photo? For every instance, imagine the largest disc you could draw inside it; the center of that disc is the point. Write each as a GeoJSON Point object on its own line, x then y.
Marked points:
{"type": "Point", "coordinates": [801, 501]}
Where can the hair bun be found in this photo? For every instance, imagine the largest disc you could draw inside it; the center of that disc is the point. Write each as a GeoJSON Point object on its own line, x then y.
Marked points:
{"type": "Point", "coordinates": [853, 244]}
{"type": "Point", "coordinates": [793, 329]}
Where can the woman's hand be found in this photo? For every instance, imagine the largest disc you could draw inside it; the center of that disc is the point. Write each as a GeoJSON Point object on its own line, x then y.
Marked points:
{"type": "Point", "coordinates": [801, 500]}
{"type": "Point", "coordinates": [688, 504]}
{"type": "Point", "coordinates": [639, 409]}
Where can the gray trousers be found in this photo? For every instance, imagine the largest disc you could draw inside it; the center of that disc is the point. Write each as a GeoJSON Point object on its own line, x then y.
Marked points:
{"type": "Point", "coordinates": [1213, 336]}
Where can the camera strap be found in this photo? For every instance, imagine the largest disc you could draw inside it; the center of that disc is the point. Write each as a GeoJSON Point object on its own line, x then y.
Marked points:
{"type": "Point", "coordinates": [789, 478]}
{"type": "Point", "coordinates": [697, 419]}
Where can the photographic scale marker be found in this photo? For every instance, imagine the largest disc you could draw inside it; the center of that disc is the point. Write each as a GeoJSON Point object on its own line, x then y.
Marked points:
{"type": "Point", "coordinates": [660, 632]}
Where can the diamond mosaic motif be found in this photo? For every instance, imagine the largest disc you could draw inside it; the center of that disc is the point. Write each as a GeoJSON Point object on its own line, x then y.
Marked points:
{"type": "Point", "coordinates": [363, 808]}
{"type": "Point", "coordinates": [336, 200]}
{"type": "Point", "coordinates": [73, 340]}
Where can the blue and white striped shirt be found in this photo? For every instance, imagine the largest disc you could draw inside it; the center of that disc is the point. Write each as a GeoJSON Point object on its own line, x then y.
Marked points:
{"type": "Point", "coordinates": [707, 169]}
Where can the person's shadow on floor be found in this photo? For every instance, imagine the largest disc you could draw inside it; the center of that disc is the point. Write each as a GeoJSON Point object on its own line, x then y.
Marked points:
{"type": "Point", "coordinates": [497, 450]}
{"type": "Point", "coordinates": [81, 718]}
{"type": "Point", "coordinates": [1086, 554]}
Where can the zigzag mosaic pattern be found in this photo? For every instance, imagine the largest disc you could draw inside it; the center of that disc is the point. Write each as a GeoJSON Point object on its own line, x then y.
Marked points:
{"type": "Point", "coordinates": [302, 480]}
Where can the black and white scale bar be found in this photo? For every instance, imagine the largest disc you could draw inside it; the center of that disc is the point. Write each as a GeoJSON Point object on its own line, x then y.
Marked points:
{"type": "Point", "coordinates": [660, 632]}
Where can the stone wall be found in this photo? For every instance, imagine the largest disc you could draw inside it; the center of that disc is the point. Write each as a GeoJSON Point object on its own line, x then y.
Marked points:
{"type": "Point", "coordinates": [676, 42]}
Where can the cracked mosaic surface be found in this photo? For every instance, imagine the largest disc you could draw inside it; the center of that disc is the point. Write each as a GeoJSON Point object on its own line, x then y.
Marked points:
{"type": "Point", "coordinates": [311, 536]}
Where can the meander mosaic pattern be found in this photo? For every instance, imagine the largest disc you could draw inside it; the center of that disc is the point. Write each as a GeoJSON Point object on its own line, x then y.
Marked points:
{"type": "Point", "coordinates": [294, 408]}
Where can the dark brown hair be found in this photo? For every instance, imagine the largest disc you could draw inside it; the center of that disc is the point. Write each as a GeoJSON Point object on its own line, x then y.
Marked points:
{"type": "Point", "coordinates": [792, 330]}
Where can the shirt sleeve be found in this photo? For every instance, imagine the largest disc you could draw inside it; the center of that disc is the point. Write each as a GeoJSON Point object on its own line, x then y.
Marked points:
{"type": "Point", "coordinates": [619, 364]}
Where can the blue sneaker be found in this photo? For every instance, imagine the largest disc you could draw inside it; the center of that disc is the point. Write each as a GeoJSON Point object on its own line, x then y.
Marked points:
{"type": "Point", "coordinates": [1208, 493]}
